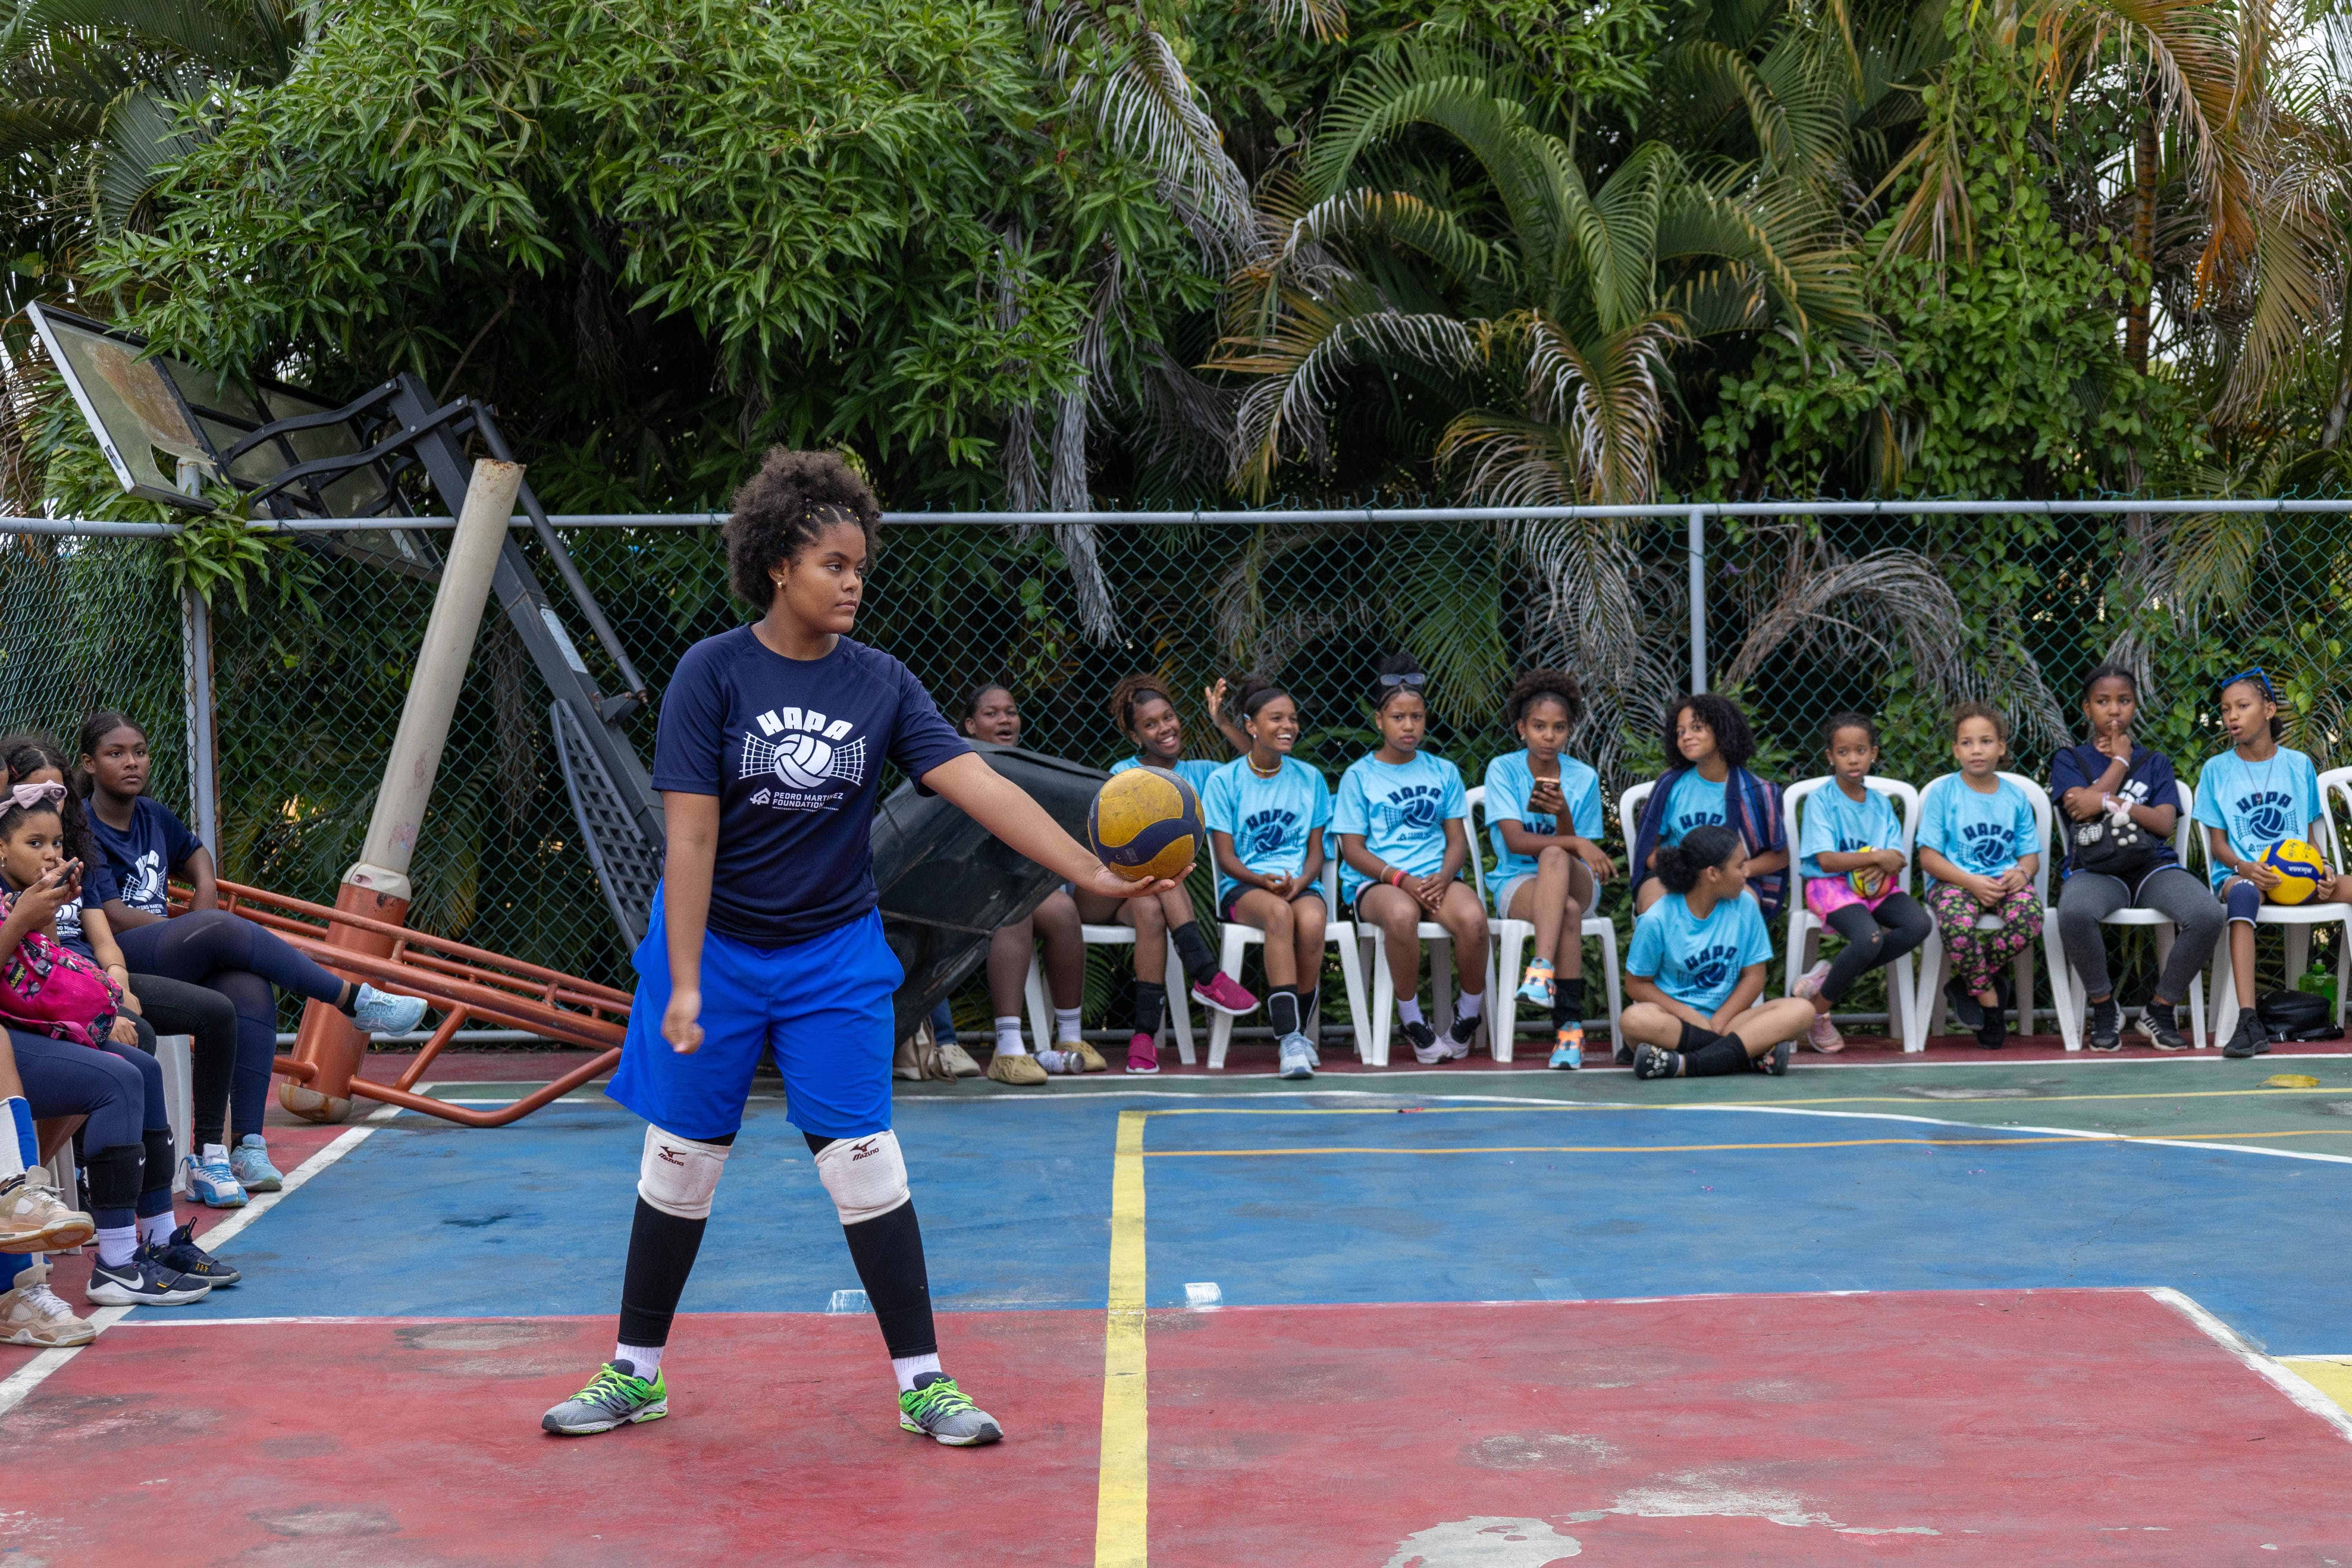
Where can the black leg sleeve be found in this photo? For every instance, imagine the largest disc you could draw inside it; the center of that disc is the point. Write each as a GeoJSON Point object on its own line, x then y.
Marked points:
{"type": "Point", "coordinates": [662, 1248]}
{"type": "Point", "coordinates": [888, 1251]}
{"type": "Point", "coordinates": [1724, 1054]}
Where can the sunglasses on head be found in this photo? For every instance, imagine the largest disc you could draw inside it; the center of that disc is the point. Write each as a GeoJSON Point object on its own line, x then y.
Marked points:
{"type": "Point", "coordinates": [2256, 674]}
{"type": "Point", "coordinates": [1412, 677]}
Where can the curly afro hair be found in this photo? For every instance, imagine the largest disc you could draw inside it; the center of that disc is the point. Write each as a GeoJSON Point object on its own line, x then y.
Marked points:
{"type": "Point", "coordinates": [1130, 694]}
{"type": "Point", "coordinates": [1733, 738]}
{"type": "Point", "coordinates": [780, 510]}
{"type": "Point", "coordinates": [1556, 684]}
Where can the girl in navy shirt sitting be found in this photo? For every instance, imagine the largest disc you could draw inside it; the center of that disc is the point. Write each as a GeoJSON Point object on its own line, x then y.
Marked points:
{"type": "Point", "coordinates": [144, 846]}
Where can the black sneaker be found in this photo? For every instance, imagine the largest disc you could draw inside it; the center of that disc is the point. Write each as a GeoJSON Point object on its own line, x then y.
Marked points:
{"type": "Point", "coordinates": [2104, 1032]}
{"type": "Point", "coordinates": [182, 1256]}
{"type": "Point", "coordinates": [143, 1282]}
{"type": "Point", "coordinates": [1774, 1061]}
{"type": "Point", "coordinates": [1623, 1056]}
{"type": "Point", "coordinates": [1425, 1048]}
{"type": "Point", "coordinates": [1965, 1006]}
{"type": "Point", "coordinates": [1649, 1061]}
{"type": "Point", "coordinates": [2250, 1040]}
{"type": "Point", "coordinates": [2158, 1026]}
{"type": "Point", "coordinates": [1995, 1033]}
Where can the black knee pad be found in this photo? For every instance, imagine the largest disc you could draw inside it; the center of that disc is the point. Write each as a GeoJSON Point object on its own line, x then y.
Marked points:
{"type": "Point", "coordinates": [162, 1165]}
{"type": "Point", "coordinates": [113, 1176]}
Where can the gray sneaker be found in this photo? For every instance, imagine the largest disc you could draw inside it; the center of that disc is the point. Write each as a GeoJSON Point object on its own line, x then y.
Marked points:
{"type": "Point", "coordinates": [938, 1410]}
{"type": "Point", "coordinates": [614, 1396]}
{"type": "Point", "coordinates": [381, 1013]}
{"type": "Point", "coordinates": [1297, 1057]}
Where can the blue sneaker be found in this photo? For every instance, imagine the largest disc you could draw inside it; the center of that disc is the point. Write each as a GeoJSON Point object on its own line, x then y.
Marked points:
{"type": "Point", "coordinates": [250, 1161]}
{"type": "Point", "coordinates": [1567, 1048]}
{"type": "Point", "coordinates": [381, 1013]}
{"type": "Point", "coordinates": [1535, 990]}
{"type": "Point", "coordinates": [212, 1184]}
{"type": "Point", "coordinates": [183, 1255]}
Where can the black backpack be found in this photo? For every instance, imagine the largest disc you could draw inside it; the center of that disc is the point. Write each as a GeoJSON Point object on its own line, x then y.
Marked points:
{"type": "Point", "coordinates": [2299, 1015]}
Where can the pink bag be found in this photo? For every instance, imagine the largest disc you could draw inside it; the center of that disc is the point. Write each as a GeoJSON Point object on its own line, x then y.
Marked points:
{"type": "Point", "coordinates": [46, 989]}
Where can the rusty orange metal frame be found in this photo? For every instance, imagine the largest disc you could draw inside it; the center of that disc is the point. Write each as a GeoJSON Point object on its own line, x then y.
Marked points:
{"type": "Point", "coordinates": [469, 983]}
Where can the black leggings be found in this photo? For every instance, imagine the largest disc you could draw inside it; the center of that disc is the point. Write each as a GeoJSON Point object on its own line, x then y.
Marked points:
{"type": "Point", "coordinates": [242, 961]}
{"type": "Point", "coordinates": [1875, 937]}
{"type": "Point", "coordinates": [177, 1007]}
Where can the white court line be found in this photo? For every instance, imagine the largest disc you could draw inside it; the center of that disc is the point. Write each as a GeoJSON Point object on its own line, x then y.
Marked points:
{"type": "Point", "coordinates": [2264, 1366]}
{"type": "Point", "coordinates": [18, 1385]}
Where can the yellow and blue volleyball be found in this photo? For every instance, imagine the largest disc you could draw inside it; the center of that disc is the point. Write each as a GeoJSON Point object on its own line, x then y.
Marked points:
{"type": "Point", "coordinates": [1145, 823]}
{"type": "Point", "coordinates": [2301, 868]}
{"type": "Point", "coordinates": [1867, 881]}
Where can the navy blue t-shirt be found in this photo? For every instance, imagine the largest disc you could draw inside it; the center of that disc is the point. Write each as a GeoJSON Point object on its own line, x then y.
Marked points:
{"type": "Point", "coordinates": [2149, 780]}
{"type": "Point", "coordinates": [143, 857]}
{"type": "Point", "coordinates": [96, 887]}
{"type": "Point", "coordinates": [793, 750]}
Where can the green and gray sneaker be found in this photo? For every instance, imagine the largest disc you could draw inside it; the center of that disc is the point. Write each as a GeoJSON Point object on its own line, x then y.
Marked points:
{"type": "Point", "coordinates": [936, 1407]}
{"type": "Point", "coordinates": [615, 1396]}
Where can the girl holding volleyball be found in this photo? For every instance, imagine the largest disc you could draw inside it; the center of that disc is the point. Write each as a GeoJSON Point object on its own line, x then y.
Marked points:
{"type": "Point", "coordinates": [1401, 817]}
{"type": "Point", "coordinates": [1543, 874]}
{"type": "Point", "coordinates": [2252, 799]}
{"type": "Point", "coordinates": [1849, 851]}
{"type": "Point", "coordinates": [765, 937]}
{"type": "Point", "coordinates": [1696, 970]}
{"type": "Point", "coordinates": [1266, 812]}
{"type": "Point", "coordinates": [1140, 707]}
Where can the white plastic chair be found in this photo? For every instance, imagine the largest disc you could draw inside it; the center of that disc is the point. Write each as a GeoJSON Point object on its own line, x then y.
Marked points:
{"type": "Point", "coordinates": [1932, 1005]}
{"type": "Point", "coordinates": [2298, 919]}
{"type": "Point", "coordinates": [179, 1098]}
{"type": "Point", "coordinates": [1805, 928]}
{"type": "Point", "coordinates": [1177, 1018]}
{"type": "Point", "coordinates": [1380, 998]}
{"type": "Point", "coordinates": [1337, 932]}
{"type": "Point", "coordinates": [1511, 938]}
{"type": "Point", "coordinates": [2067, 993]}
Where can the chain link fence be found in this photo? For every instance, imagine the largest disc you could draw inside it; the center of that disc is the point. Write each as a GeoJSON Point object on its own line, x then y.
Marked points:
{"type": "Point", "coordinates": [1801, 616]}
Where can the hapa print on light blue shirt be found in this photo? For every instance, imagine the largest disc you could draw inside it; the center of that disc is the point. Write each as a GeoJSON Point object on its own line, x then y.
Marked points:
{"type": "Point", "coordinates": [1509, 781]}
{"type": "Point", "coordinates": [1829, 819]}
{"type": "Point", "coordinates": [1981, 833]}
{"type": "Point", "coordinates": [1269, 820]}
{"type": "Point", "coordinates": [1401, 810]}
{"type": "Point", "coordinates": [1697, 962]}
{"type": "Point", "coordinates": [2257, 804]}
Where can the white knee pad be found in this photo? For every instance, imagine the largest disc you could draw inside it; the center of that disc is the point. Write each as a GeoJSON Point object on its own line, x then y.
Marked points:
{"type": "Point", "coordinates": [866, 1176]}
{"type": "Point", "coordinates": [677, 1176]}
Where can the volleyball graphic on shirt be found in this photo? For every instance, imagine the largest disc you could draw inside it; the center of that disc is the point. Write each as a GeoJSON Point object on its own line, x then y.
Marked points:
{"type": "Point", "coordinates": [804, 759]}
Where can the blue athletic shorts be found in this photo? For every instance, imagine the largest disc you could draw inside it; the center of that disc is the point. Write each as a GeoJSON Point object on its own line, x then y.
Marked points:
{"type": "Point", "coordinates": [823, 1006]}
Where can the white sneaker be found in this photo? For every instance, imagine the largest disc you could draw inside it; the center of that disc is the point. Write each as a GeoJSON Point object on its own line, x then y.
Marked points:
{"type": "Point", "coordinates": [381, 1013]}
{"type": "Point", "coordinates": [1297, 1057]}
{"type": "Point", "coordinates": [31, 1314]}
{"type": "Point", "coordinates": [1458, 1034]}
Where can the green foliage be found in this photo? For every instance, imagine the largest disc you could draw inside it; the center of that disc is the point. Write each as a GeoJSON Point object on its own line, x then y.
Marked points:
{"type": "Point", "coordinates": [225, 550]}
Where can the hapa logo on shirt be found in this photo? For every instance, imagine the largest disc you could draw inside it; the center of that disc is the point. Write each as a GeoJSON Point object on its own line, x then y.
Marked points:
{"type": "Point", "coordinates": [2264, 815]}
{"type": "Point", "coordinates": [802, 750]}
{"type": "Point", "coordinates": [1266, 832]}
{"type": "Point", "coordinates": [143, 888]}
{"type": "Point", "coordinates": [1414, 806]}
{"type": "Point", "coordinates": [1711, 967]}
{"type": "Point", "coordinates": [1985, 845]}
{"type": "Point", "coordinates": [1699, 817]}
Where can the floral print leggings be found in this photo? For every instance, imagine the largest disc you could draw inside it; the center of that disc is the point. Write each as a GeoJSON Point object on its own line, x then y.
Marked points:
{"type": "Point", "coordinates": [1978, 955]}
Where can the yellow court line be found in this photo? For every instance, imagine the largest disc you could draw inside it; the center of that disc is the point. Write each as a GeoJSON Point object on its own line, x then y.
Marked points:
{"type": "Point", "coordinates": [1122, 1497]}
{"type": "Point", "coordinates": [1716, 1148]}
{"type": "Point", "coordinates": [2329, 1374]}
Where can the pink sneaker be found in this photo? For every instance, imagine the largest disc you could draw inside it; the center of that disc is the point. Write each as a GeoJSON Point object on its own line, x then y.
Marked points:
{"type": "Point", "coordinates": [1142, 1054]}
{"type": "Point", "coordinates": [1809, 985]}
{"type": "Point", "coordinates": [1221, 993]}
{"type": "Point", "coordinates": [1824, 1036]}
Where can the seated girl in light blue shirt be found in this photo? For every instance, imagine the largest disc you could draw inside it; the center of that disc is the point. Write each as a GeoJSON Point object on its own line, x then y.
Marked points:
{"type": "Point", "coordinates": [1979, 842]}
{"type": "Point", "coordinates": [1265, 812]}
{"type": "Point", "coordinates": [1849, 852]}
{"type": "Point", "coordinates": [1543, 812]}
{"type": "Point", "coordinates": [1696, 970]}
{"type": "Point", "coordinates": [1400, 817]}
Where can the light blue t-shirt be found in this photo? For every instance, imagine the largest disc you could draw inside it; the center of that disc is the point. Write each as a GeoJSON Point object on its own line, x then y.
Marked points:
{"type": "Point", "coordinates": [1694, 803]}
{"type": "Point", "coordinates": [1402, 813]}
{"type": "Point", "coordinates": [1270, 820]}
{"type": "Point", "coordinates": [1697, 962]}
{"type": "Point", "coordinates": [1509, 781]}
{"type": "Point", "coordinates": [1979, 832]}
{"type": "Point", "coordinates": [1195, 771]}
{"type": "Point", "coordinates": [2257, 804]}
{"type": "Point", "coordinates": [1829, 819]}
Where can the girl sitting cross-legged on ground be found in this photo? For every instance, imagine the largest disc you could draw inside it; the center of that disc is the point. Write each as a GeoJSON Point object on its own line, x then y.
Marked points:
{"type": "Point", "coordinates": [144, 846]}
{"type": "Point", "coordinates": [1697, 968]}
{"type": "Point", "coordinates": [1849, 849]}
{"type": "Point", "coordinates": [1400, 814]}
{"type": "Point", "coordinates": [1266, 812]}
{"type": "Point", "coordinates": [1140, 707]}
{"type": "Point", "coordinates": [1708, 743]}
{"type": "Point", "coordinates": [1977, 841]}
{"type": "Point", "coordinates": [1547, 877]}
{"type": "Point", "coordinates": [2250, 799]}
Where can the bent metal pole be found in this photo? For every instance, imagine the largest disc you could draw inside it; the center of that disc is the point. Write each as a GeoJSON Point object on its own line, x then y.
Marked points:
{"type": "Point", "coordinates": [378, 886]}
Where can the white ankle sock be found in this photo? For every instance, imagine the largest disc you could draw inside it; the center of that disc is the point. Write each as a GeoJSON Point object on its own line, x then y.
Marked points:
{"type": "Point", "coordinates": [1008, 1038]}
{"type": "Point", "coordinates": [116, 1243]}
{"type": "Point", "coordinates": [646, 1358]}
{"type": "Point", "coordinates": [909, 1367]}
{"type": "Point", "coordinates": [1469, 1006]}
{"type": "Point", "coordinates": [155, 1229]}
{"type": "Point", "coordinates": [1065, 1027]}
{"type": "Point", "coordinates": [1409, 1009]}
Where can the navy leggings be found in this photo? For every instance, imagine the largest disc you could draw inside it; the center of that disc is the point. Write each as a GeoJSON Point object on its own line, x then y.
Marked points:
{"type": "Point", "coordinates": [242, 962]}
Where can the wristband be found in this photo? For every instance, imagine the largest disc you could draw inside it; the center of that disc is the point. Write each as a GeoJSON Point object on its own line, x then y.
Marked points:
{"type": "Point", "coordinates": [1393, 877]}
